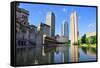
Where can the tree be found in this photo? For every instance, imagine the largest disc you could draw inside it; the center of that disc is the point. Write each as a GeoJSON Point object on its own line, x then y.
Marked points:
{"type": "Point", "coordinates": [83, 39]}
{"type": "Point", "coordinates": [95, 39]}
{"type": "Point", "coordinates": [87, 40]}
{"type": "Point", "coordinates": [68, 41]}
{"type": "Point", "coordinates": [91, 40]}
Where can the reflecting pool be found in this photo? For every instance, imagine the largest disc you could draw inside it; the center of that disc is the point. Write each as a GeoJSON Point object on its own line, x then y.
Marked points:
{"type": "Point", "coordinates": [54, 53]}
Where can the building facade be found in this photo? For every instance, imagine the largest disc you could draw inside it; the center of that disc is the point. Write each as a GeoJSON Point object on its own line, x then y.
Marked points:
{"type": "Point", "coordinates": [64, 31]}
{"type": "Point", "coordinates": [89, 34]}
{"type": "Point", "coordinates": [32, 34]}
{"type": "Point", "coordinates": [25, 33]}
{"type": "Point", "coordinates": [50, 20]}
{"type": "Point", "coordinates": [74, 27]}
{"type": "Point", "coordinates": [44, 28]}
{"type": "Point", "coordinates": [74, 37]}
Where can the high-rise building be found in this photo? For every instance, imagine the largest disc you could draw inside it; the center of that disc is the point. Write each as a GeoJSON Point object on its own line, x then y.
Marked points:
{"type": "Point", "coordinates": [74, 27]}
{"type": "Point", "coordinates": [50, 20]}
{"type": "Point", "coordinates": [74, 37]}
{"type": "Point", "coordinates": [64, 32]}
{"type": "Point", "coordinates": [64, 29]}
{"type": "Point", "coordinates": [44, 28]}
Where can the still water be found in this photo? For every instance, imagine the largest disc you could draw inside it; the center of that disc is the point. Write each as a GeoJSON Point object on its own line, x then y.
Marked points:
{"type": "Point", "coordinates": [55, 53]}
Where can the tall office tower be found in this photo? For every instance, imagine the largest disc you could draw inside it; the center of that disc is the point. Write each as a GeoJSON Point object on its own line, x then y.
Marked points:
{"type": "Point", "coordinates": [50, 20]}
{"type": "Point", "coordinates": [74, 37]}
{"type": "Point", "coordinates": [64, 29]}
{"type": "Point", "coordinates": [74, 27]}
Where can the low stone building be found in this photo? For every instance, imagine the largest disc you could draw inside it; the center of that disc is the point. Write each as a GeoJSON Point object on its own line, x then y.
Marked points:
{"type": "Point", "coordinates": [62, 39]}
{"type": "Point", "coordinates": [43, 30]}
{"type": "Point", "coordinates": [25, 33]}
{"type": "Point", "coordinates": [32, 34]}
{"type": "Point", "coordinates": [89, 34]}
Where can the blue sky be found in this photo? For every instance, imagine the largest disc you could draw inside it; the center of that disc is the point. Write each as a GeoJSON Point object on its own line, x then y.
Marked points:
{"type": "Point", "coordinates": [86, 16]}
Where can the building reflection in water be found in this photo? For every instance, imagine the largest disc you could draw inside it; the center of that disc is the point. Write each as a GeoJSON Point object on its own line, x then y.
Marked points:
{"type": "Point", "coordinates": [53, 53]}
{"type": "Point", "coordinates": [45, 54]}
{"type": "Point", "coordinates": [74, 53]}
{"type": "Point", "coordinates": [62, 54]}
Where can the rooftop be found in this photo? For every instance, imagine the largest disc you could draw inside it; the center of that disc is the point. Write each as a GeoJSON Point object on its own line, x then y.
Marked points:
{"type": "Point", "coordinates": [43, 24]}
{"type": "Point", "coordinates": [23, 10]}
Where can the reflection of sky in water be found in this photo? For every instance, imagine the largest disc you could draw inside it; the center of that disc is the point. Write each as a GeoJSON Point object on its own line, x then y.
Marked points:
{"type": "Point", "coordinates": [86, 57]}
{"type": "Point", "coordinates": [57, 57]}
{"type": "Point", "coordinates": [61, 55]}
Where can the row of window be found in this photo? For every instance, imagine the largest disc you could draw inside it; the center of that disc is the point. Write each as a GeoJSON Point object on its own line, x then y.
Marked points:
{"type": "Point", "coordinates": [21, 43]}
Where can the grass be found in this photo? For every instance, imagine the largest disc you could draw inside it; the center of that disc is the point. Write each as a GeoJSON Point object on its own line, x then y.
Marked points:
{"type": "Point", "coordinates": [88, 45]}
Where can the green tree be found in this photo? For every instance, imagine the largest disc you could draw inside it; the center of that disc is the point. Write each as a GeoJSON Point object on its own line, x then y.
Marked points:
{"type": "Point", "coordinates": [93, 39]}
{"type": "Point", "coordinates": [87, 41]}
{"type": "Point", "coordinates": [68, 41]}
{"type": "Point", "coordinates": [83, 39]}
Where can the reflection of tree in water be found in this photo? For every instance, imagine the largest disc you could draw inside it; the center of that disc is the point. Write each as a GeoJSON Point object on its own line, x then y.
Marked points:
{"type": "Point", "coordinates": [32, 56]}
{"type": "Point", "coordinates": [88, 50]}
{"type": "Point", "coordinates": [84, 49]}
{"type": "Point", "coordinates": [92, 51]}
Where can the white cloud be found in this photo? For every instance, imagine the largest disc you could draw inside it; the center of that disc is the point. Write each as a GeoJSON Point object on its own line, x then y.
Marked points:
{"type": "Point", "coordinates": [64, 9]}
{"type": "Point", "coordinates": [92, 26]}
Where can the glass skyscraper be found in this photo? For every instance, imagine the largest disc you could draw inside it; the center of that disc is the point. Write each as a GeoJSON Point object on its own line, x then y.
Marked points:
{"type": "Point", "coordinates": [50, 20]}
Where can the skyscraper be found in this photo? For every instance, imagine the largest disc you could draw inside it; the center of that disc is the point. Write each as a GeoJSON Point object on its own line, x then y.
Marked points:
{"type": "Point", "coordinates": [64, 29]}
{"type": "Point", "coordinates": [74, 27]}
{"type": "Point", "coordinates": [74, 37]}
{"type": "Point", "coordinates": [50, 20]}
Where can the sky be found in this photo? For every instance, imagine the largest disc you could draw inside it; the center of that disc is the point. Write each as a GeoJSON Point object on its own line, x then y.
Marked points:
{"type": "Point", "coordinates": [86, 16]}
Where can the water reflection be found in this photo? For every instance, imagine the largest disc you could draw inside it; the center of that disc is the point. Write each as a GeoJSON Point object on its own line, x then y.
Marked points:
{"type": "Point", "coordinates": [89, 50]}
{"type": "Point", "coordinates": [62, 54]}
{"type": "Point", "coordinates": [54, 53]}
{"type": "Point", "coordinates": [87, 54]}
{"type": "Point", "coordinates": [74, 53]}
